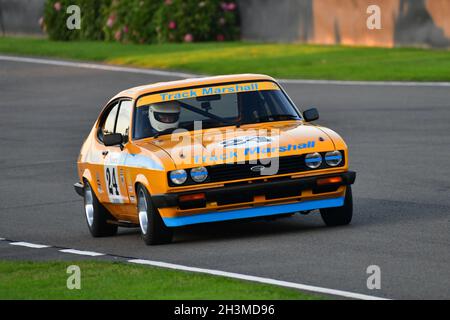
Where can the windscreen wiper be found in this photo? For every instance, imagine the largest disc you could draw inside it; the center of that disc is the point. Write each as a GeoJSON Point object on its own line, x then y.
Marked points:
{"type": "Point", "coordinates": [205, 114]}
{"type": "Point", "coordinates": [167, 131]}
{"type": "Point", "coordinates": [275, 117]}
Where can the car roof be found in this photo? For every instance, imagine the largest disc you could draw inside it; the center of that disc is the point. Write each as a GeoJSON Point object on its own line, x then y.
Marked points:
{"type": "Point", "coordinates": [136, 92]}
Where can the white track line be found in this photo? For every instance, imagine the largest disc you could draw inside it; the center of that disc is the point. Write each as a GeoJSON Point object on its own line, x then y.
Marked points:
{"type": "Point", "coordinates": [97, 66]}
{"type": "Point", "coordinates": [233, 275]}
{"type": "Point", "coordinates": [258, 279]}
{"type": "Point", "coordinates": [29, 245]}
{"type": "Point", "coordinates": [82, 253]}
{"type": "Point", "coordinates": [183, 75]}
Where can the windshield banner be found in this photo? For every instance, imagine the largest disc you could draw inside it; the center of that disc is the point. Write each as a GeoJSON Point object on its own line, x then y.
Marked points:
{"type": "Point", "coordinates": [207, 91]}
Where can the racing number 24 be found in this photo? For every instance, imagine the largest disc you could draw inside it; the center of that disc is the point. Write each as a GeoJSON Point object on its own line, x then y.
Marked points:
{"type": "Point", "coordinates": [113, 188]}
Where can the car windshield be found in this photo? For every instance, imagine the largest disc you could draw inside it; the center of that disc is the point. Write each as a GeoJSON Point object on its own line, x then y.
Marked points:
{"type": "Point", "coordinates": [217, 106]}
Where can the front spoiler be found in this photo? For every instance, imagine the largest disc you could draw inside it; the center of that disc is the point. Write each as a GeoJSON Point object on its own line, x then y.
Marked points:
{"type": "Point", "coordinates": [253, 212]}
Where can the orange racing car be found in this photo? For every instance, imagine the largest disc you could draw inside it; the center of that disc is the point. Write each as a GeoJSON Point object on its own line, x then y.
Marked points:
{"type": "Point", "coordinates": [211, 149]}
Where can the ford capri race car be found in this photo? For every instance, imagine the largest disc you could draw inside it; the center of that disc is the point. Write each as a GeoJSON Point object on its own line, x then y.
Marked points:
{"type": "Point", "coordinates": [211, 149]}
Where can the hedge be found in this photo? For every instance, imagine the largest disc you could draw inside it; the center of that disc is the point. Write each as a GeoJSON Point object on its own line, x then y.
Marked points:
{"type": "Point", "coordinates": [144, 21]}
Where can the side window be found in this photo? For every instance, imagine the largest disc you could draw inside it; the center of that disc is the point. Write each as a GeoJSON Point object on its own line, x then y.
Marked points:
{"type": "Point", "coordinates": [108, 125]}
{"type": "Point", "coordinates": [123, 120]}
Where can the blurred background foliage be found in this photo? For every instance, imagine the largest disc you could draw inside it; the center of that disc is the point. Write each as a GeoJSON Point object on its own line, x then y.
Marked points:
{"type": "Point", "coordinates": [144, 21]}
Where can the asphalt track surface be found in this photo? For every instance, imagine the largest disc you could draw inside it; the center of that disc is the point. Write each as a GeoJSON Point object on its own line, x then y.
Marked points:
{"type": "Point", "coordinates": [399, 140]}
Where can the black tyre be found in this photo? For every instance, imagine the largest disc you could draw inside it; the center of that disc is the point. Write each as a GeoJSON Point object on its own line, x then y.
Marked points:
{"type": "Point", "coordinates": [153, 229]}
{"type": "Point", "coordinates": [339, 216]}
{"type": "Point", "coordinates": [96, 215]}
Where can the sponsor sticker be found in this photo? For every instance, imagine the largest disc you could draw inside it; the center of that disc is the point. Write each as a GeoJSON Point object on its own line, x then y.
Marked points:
{"type": "Point", "coordinates": [206, 91]}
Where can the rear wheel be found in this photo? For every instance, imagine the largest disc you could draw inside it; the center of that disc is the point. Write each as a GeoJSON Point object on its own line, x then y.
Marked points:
{"type": "Point", "coordinates": [96, 215]}
{"type": "Point", "coordinates": [153, 229]}
{"type": "Point", "coordinates": [339, 216]}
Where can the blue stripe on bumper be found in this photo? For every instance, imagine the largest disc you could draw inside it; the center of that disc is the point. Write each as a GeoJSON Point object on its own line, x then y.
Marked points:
{"type": "Point", "coordinates": [253, 212]}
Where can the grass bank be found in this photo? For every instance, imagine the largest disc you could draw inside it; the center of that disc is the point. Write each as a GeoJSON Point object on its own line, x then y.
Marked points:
{"type": "Point", "coordinates": [107, 280]}
{"type": "Point", "coordinates": [278, 60]}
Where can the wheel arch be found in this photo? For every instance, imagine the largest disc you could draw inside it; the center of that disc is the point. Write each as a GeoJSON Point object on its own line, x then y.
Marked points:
{"type": "Point", "coordinates": [87, 176]}
{"type": "Point", "coordinates": [142, 180]}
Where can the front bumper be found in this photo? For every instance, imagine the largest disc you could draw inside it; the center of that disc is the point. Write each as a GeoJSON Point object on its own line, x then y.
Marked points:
{"type": "Point", "coordinates": [171, 199]}
{"type": "Point", "coordinates": [254, 189]}
{"type": "Point", "coordinates": [79, 189]}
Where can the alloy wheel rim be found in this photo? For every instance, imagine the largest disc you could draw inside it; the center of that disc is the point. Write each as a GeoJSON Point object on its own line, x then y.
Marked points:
{"type": "Point", "coordinates": [89, 205]}
{"type": "Point", "coordinates": [142, 210]}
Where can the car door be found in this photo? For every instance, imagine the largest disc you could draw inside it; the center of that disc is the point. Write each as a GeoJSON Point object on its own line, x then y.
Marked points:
{"type": "Point", "coordinates": [114, 157]}
{"type": "Point", "coordinates": [98, 152]}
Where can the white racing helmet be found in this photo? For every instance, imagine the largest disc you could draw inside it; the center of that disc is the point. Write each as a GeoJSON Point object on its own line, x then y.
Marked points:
{"type": "Point", "coordinates": [164, 115]}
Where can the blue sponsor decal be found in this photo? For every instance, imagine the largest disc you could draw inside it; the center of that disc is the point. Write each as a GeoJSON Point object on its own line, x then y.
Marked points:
{"type": "Point", "coordinates": [198, 173]}
{"type": "Point", "coordinates": [309, 160]}
{"type": "Point", "coordinates": [333, 158]}
{"type": "Point", "coordinates": [174, 175]}
{"type": "Point", "coordinates": [255, 150]}
{"type": "Point", "coordinates": [193, 93]}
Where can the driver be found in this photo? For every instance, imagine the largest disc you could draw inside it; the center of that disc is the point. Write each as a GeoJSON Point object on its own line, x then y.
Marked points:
{"type": "Point", "coordinates": [164, 115]}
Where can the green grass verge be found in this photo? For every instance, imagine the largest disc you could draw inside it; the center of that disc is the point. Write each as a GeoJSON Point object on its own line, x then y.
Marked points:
{"type": "Point", "coordinates": [278, 60]}
{"type": "Point", "coordinates": [107, 280]}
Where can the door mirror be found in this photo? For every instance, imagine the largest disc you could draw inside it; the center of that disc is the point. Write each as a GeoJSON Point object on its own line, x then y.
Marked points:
{"type": "Point", "coordinates": [113, 139]}
{"type": "Point", "coordinates": [311, 115]}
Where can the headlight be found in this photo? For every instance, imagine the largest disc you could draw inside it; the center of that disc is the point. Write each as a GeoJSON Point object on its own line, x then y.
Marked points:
{"type": "Point", "coordinates": [199, 174]}
{"type": "Point", "coordinates": [333, 158]}
{"type": "Point", "coordinates": [178, 176]}
{"type": "Point", "coordinates": [313, 160]}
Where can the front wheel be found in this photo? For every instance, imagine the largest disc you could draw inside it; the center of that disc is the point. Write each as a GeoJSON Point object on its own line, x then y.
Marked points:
{"type": "Point", "coordinates": [339, 216]}
{"type": "Point", "coordinates": [96, 215]}
{"type": "Point", "coordinates": [153, 229]}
